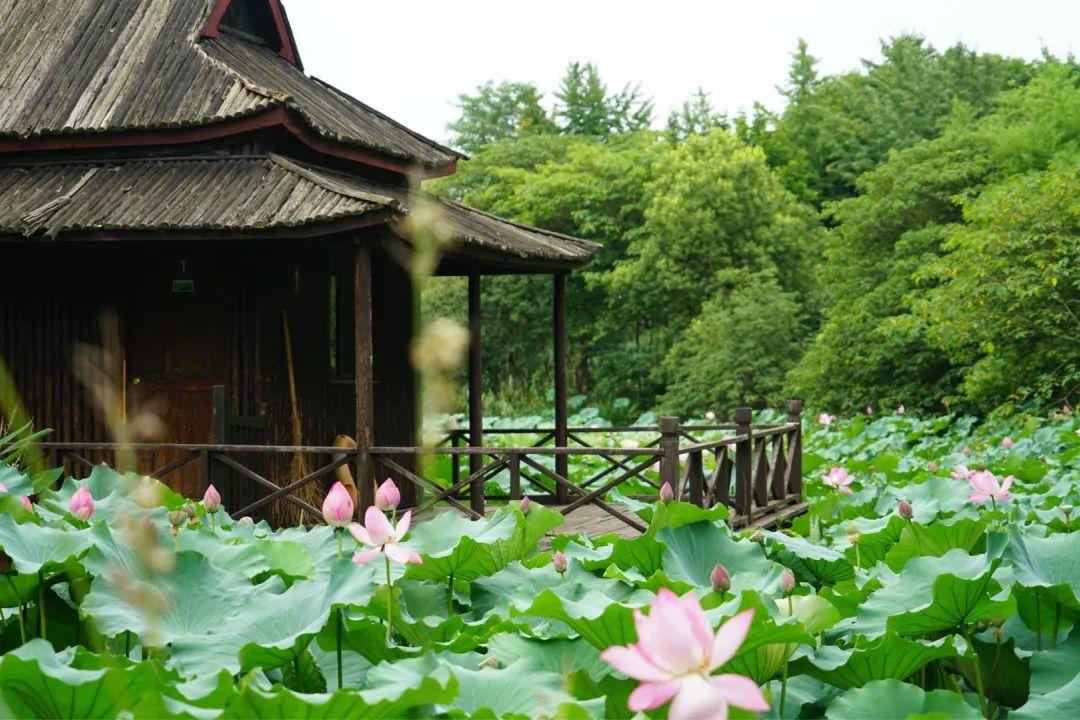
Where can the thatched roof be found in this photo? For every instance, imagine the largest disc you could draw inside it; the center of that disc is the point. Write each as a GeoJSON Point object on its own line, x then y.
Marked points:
{"type": "Point", "coordinates": [230, 194]}
{"type": "Point", "coordinates": [105, 66]}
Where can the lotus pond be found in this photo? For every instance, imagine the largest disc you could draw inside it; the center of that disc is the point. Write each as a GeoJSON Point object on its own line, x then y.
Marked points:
{"type": "Point", "coordinates": [914, 587]}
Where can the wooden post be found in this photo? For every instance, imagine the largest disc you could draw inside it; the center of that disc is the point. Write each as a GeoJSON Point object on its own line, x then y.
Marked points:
{"type": "Point", "coordinates": [365, 379]}
{"type": "Point", "coordinates": [744, 451]}
{"type": "Point", "coordinates": [695, 472]}
{"type": "Point", "coordinates": [515, 476]}
{"type": "Point", "coordinates": [794, 415]}
{"type": "Point", "coordinates": [562, 462]}
{"type": "Point", "coordinates": [476, 397]}
{"type": "Point", "coordinates": [669, 461]}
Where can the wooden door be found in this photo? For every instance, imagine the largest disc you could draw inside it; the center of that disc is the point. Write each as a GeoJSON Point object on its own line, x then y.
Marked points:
{"type": "Point", "coordinates": [179, 344]}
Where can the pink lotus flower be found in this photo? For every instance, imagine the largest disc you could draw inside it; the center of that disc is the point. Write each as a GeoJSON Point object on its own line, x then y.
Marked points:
{"type": "Point", "coordinates": [961, 472]}
{"type": "Point", "coordinates": [675, 656]}
{"type": "Point", "coordinates": [720, 579]}
{"type": "Point", "coordinates": [787, 582]}
{"type": "Point", "coordinates": [931, 466]}
{"type": "Point", "coordinates": [901, 409]}
{"type": "Point", "coordinates": [27, 504]}
{"type": "Point", "coordinates": [869, 411]}
{"type": "Point", "coordinates": [710, 415]}
{"type": "Point", "coordinates": [387, 497]}
{"type": "Point", "coordinates": [986, 487]}
{"type": "Point", "coordinates": [666, 493]}
{"type": "Point", "coordinates": [383, 538]}
{"type": "Point", "coordinates": [82, 504]}
{"type": "Point", "coordinates": [3, 488]}
{"type": "Point", "coordinates": [826, 419]}
{"type": "Point", "coordinates": [1006, 442]}
{"type": "Point", "coordinates": [337, 508]}
{"type": "Point", "coordinates": [1066, 410]}
{"type": "Point", "coordinates": [211, 499]}
{"type": "Point", "coordinates": [839, 479]}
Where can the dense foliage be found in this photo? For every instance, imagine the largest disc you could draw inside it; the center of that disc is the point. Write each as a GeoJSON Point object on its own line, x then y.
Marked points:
{"type": "Point", "coordinates": [954, 609]}
{"type": "Point", "coordinates": [913, 218]}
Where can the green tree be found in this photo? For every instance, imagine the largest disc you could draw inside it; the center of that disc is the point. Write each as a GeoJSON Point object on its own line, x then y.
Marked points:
{"type": "Point", "coordinates": [697, 116]}
{"type": "Point", "coordinates": [585, 107]}
{"type": "Point", "coordinates": [495, 112]}
{"type": "Point", "coordinates": [737, 349]}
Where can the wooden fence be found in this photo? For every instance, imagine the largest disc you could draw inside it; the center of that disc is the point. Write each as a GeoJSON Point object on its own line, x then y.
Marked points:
{"type": "Point", "coordinates": [754, 469]}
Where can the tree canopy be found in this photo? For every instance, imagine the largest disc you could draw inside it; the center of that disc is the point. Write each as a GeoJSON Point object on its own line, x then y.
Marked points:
{"type": "Point", "coordinates": [899, 233]}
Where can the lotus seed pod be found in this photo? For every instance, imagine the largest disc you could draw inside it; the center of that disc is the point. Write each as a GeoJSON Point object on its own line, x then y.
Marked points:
{"type": "Point", "coordinates": [246, 521]}
{"type": "Point", "coordinates": [190, 509]}
{"type": "Point", "coordinates": [177, 518]}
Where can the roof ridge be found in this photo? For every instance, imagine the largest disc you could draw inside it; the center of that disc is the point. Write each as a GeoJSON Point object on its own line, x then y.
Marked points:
{"type": "Point", "coordinates": [312, 174]}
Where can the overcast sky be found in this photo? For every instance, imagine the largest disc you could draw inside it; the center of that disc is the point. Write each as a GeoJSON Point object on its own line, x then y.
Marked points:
{"type": "Point", "coordinates": [411, 58]}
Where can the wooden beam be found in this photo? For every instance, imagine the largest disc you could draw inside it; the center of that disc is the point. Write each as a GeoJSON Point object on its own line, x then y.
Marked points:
{"type": "Point", "coordinates": [476, 393]}
{"type": "Point", "coordinates": [365, 385]}
{"type": "Point", "coordinates": [562, 462]}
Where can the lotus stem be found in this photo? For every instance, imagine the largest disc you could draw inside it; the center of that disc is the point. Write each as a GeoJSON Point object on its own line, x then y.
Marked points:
{"type": "Point", "coordinates": [787, 660]}
{"type": "Point", "coordinates": [41, 603]}
{"type": "Point", "coordinates": [389, 603]}
{"type": "Point", "coordinates": [1038, 622]}
{"type": "Point", "coordinates": [18, 599]}
{"type": "Point", "coordinates": [450, 596]}
{"type": "Point", "coordinates": [213, 522]}
{"type": "Point", "coordinates": [337, 531]}
{"type": "Point", "coordinates": [977, 664]}
{"type": "Point", "coordinates": [339, 621]}
{"type": "Point", "coordinates": [127, 643]}
{"type": "Point", "coordinates": [1057, 625]}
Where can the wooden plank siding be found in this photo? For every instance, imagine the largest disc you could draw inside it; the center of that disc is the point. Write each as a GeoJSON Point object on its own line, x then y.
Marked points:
{"type": "Point", "coordinates": [59, 297]}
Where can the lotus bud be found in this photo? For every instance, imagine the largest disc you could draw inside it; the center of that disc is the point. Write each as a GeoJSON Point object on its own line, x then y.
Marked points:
{"type": "Point", "coordinates": [932, 466]}
{"type": "Point", "coordinates": [387, 497]}
{"type": "Point", "coordinates": [211, 499]}
{"type": "Point", "coordinates": [869, 411]}
{"type": "Point", "coordinates": [27, 505]}
{"type": "Point", "coordinates": [787, 582]}
{"type": "Point", "coordinates": [710, 415]}
{"type": "Point", "coordinates": [666, 493]}
{"type": "Point", "coordinates": [560, 562]}
{"type": "Point", "coordinates": [246, 521]}
{"type": "Point", "coordinates": [338, 507]}
{"type": "Point", "coordinates": [720, 579]}
{"type": "Point", "coordinates": [82, 504]}
{"type": "Point", "coordinates": [901, 409]}
{"type": "Point", "coordinates": [525, 505]}
{"type": "Point", "coordinates": [1006, 442]}
{"type": "Point", "coordinates": [191, 510]}
{"type": "Point", "coordinates": [1066, 410]}
{"type": "Point", "coordinates": [177, 518]}
{"type": "Point", "coordinates": [905, 509]}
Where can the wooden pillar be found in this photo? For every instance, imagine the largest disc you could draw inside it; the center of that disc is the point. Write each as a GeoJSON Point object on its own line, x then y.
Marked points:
{"type": "Point", "coordinates": [744, 451]}
{"type": "Point", "coordinates": [794, 415]}
{"type": "Point", "coordinates": [476, 393]}
{"type": "Point", "coordinates": [669, 461]}
{"type": "Point", "coordinates": [562, 462]}
{"type": "Point", "coordinates": [365, 379]}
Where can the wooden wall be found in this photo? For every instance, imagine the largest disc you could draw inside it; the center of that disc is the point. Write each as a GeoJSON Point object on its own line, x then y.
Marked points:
{"type": "Point", "coordinates": [53, 295]}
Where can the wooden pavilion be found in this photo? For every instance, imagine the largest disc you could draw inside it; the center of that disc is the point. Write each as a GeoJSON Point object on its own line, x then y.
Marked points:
{"type": "Point", "coordinates": [169, 164]}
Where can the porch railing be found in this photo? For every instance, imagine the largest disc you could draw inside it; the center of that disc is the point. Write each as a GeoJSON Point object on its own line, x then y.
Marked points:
{"type": "Point", "coordinates": [754, 469]}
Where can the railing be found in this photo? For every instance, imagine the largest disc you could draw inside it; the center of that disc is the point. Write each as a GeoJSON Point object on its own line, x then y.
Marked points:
{"type": "Point", "coordinates": [755, 470]}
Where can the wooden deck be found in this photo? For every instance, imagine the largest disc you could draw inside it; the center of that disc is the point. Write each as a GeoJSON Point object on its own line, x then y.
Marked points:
{"type": "Point", "coordinates": [593, 521]}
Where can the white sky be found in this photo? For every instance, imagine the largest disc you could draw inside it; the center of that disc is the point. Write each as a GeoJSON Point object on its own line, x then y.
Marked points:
{"type": "Point", "coordinates": [411, 58]}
